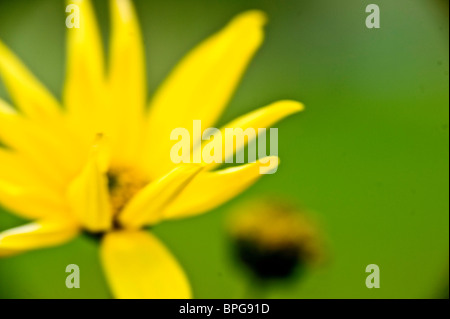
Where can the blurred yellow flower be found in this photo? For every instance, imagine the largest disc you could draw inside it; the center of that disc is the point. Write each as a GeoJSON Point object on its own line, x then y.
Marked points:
{"type": "Point", "coordinates": [275, 239]}
{"type": "Point", "coordinates": [102, 164]}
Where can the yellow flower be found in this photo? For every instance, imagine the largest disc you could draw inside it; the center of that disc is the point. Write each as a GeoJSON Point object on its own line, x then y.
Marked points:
{"type": "Point", "coordinates": [275, 239]}
{"type": "Point", "coordinates": [102, 164]}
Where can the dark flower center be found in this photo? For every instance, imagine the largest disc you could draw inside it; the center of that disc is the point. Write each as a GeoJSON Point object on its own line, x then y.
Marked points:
{"type": "Point", "coordinates": [123, 183]}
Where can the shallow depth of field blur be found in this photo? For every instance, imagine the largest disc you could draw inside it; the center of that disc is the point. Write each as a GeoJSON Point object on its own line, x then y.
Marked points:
{"type": "Point", "coordinates": [369, 156]}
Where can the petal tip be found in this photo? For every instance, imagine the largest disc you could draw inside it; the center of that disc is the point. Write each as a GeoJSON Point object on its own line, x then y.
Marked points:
{"type": "Point", "coordinates": [286, 107]}
{"type": "Point", "coordinates": [255, 17]}
{"type": "Point", "coordinates": [294, 106]}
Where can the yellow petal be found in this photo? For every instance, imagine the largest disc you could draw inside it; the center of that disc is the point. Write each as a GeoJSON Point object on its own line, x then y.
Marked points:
{"type": "Point", "coordinates": [261, 118]}
{"type": "Point", "coordinates": [31, 202]}
{"type": "Point", "coordinates": [33, 100]}
{"type": "Point", "coordinates": [88, 194]}
{"type": "Point", "coordinates": [47, 151]}
{"type": "Point", "coordinates": [139, 266]}
{"type": "Point", "coordinates": [127, 83]}
{"type": "Point", "coordinates": [15, 169]}
{"type": "Point", "coordinates": [29, 95]}
{"type": "Point", "coordinates": [146, 206]}
{"type": "Point", "coordinates": [211, 189]}
{"type": "Point", "coordinates": [36, 235]}
{"type": "Point", "coordinates": [202, 84]}
{"type": "Point", "coordinates": [84, 87]}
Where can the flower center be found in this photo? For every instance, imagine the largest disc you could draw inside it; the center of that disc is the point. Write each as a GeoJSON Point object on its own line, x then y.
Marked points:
{"type": "Point", "coordinates": [123, 183]}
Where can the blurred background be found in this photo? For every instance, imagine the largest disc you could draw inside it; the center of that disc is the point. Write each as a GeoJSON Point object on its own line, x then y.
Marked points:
{"type": "Point", "coordinates": [369, 156]}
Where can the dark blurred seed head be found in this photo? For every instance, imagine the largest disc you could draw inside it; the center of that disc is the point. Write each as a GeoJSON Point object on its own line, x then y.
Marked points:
{"type": "Point", "coordinates": [274, 239]}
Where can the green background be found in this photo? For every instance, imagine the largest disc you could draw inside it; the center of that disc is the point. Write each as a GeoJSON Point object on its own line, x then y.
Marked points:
{"type": "Point", "coordinates": [369, 156]}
